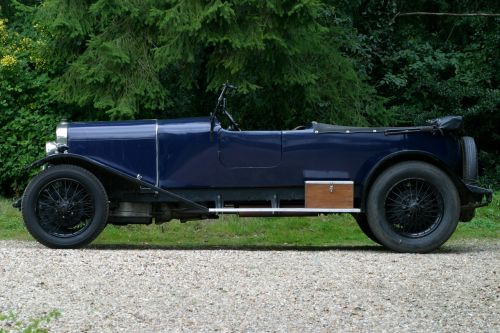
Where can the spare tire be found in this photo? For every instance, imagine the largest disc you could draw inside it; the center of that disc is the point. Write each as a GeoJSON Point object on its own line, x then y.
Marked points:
{"type": "Point", "coordinates": [469, 160]}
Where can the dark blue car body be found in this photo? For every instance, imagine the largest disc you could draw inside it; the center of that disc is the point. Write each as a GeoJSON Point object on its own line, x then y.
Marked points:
{"type": "Point", "coordinates": [407, 187]}
{"type": "Point", "coordinates": [182, 153]}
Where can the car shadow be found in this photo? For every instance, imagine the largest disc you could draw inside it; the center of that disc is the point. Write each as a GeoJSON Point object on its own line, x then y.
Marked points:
{"type": "Point", "coordinates": [444, 250]}
{"type": "Point", "coordinates": [373, 248]}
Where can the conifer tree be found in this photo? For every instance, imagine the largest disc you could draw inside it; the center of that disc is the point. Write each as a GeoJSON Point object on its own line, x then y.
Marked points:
{"type": "Point", "coordinates": [150, 58]}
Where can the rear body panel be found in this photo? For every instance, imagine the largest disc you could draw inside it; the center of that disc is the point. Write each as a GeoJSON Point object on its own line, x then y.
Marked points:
{"type": "Point", "coordinates": [190, 158]}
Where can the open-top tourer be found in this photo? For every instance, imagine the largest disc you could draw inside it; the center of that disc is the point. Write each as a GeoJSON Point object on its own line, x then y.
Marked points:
{"type": "Point", "coordinates": [407, 187]}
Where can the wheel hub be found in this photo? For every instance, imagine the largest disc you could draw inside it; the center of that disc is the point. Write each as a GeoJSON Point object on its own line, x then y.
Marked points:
{"type": "Point", "coordinates": [413, 208]}
{"type": "Point", "coordinates": [65, 208]}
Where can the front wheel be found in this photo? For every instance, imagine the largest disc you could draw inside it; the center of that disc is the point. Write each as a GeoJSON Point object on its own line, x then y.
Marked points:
{"type": "Point", "coordinates": [413, 207]}
{"type": "Point", "coordinates": [65, 206]}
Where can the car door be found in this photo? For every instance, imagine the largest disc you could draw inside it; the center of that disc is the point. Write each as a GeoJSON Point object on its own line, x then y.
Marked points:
{"type": "Point", "coordinates": [249, 149]}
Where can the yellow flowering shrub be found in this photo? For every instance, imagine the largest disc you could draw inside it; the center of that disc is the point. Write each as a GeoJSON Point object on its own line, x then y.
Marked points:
{"type": "Point", "coordinates": [8, 61]}
{"type": "Point", "coordinates": [14, 47]}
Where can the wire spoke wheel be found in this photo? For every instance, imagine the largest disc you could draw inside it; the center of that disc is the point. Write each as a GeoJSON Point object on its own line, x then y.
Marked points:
{"type": "Point", "coordinates": [413, 208]}
{"type": "Point", "coordinates": [65, 207]}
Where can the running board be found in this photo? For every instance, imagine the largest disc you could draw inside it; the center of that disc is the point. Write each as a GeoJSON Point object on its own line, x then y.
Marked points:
{"type": "Point", "coordinates": [284, 210]}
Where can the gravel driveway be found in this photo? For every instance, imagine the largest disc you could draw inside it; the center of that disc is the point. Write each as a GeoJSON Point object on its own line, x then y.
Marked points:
{"type": "Point", "coordinates": [344, 289]}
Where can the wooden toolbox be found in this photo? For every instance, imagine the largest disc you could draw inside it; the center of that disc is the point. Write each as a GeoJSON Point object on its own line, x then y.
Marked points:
{"type": "Point", "coordinates": [329, 194]}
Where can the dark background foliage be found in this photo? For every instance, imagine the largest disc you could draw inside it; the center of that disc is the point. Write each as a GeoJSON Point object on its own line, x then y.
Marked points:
{"type": "Point", "coordinates": [346, 62]}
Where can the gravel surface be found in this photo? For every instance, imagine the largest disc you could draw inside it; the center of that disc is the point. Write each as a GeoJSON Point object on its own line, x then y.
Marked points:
{"type": "Point", "coordinates": [101, 289]}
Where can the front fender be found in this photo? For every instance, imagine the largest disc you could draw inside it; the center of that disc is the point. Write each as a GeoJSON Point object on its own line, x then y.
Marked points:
{"type": "Point", "coordinates": [91, 164]}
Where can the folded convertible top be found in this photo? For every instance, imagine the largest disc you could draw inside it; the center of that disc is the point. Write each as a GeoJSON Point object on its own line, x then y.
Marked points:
{"type": "Point", "coordinates": [448, 123]}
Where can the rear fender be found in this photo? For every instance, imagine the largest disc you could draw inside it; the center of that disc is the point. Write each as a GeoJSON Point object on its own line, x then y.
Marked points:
{"type": "Point", "coordinates": [410, 155]}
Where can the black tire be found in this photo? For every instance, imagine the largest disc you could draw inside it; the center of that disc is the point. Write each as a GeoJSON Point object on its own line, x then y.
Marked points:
{"type": "Point", "coordinates": [365, 228]}
{"type": "Point", "coordinates": [65, 206]}
{"type": "Point", "coordinates": [469, 158]}
{"type": "Point", "coordinates": [413, 207]}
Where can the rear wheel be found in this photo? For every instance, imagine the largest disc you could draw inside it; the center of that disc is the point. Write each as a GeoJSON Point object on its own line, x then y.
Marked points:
{"type": "Point", "coordinates": [65, 206]}
{"type": "Point", "coordinates": [413, 207]}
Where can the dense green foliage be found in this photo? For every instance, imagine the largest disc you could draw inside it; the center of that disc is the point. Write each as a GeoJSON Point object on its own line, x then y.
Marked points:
{"type": "Point", "coordinates": [166, 58]}
{"type": "Point", "coordinates": [429, 66]}
{"type": "Point", "coordinates": [348, 62]}
{"type": "Point", "coordinates": [28, 113]}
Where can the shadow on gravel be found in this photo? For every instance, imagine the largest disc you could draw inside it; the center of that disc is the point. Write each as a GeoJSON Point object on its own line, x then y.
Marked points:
{"type": "Point", "coordinates": [456, 247]}
{"type": "Point", "coordinates": [371, 248]}
{"type": "Point", "coordinates": [453, 248]}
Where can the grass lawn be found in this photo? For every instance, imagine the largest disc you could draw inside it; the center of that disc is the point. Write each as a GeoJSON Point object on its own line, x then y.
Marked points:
{"type": "Point", "coordinates": [231, 231]}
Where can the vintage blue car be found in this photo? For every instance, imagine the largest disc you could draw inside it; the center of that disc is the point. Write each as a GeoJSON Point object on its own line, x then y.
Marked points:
{"type": "Point", "coordinates": [406, 187]}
